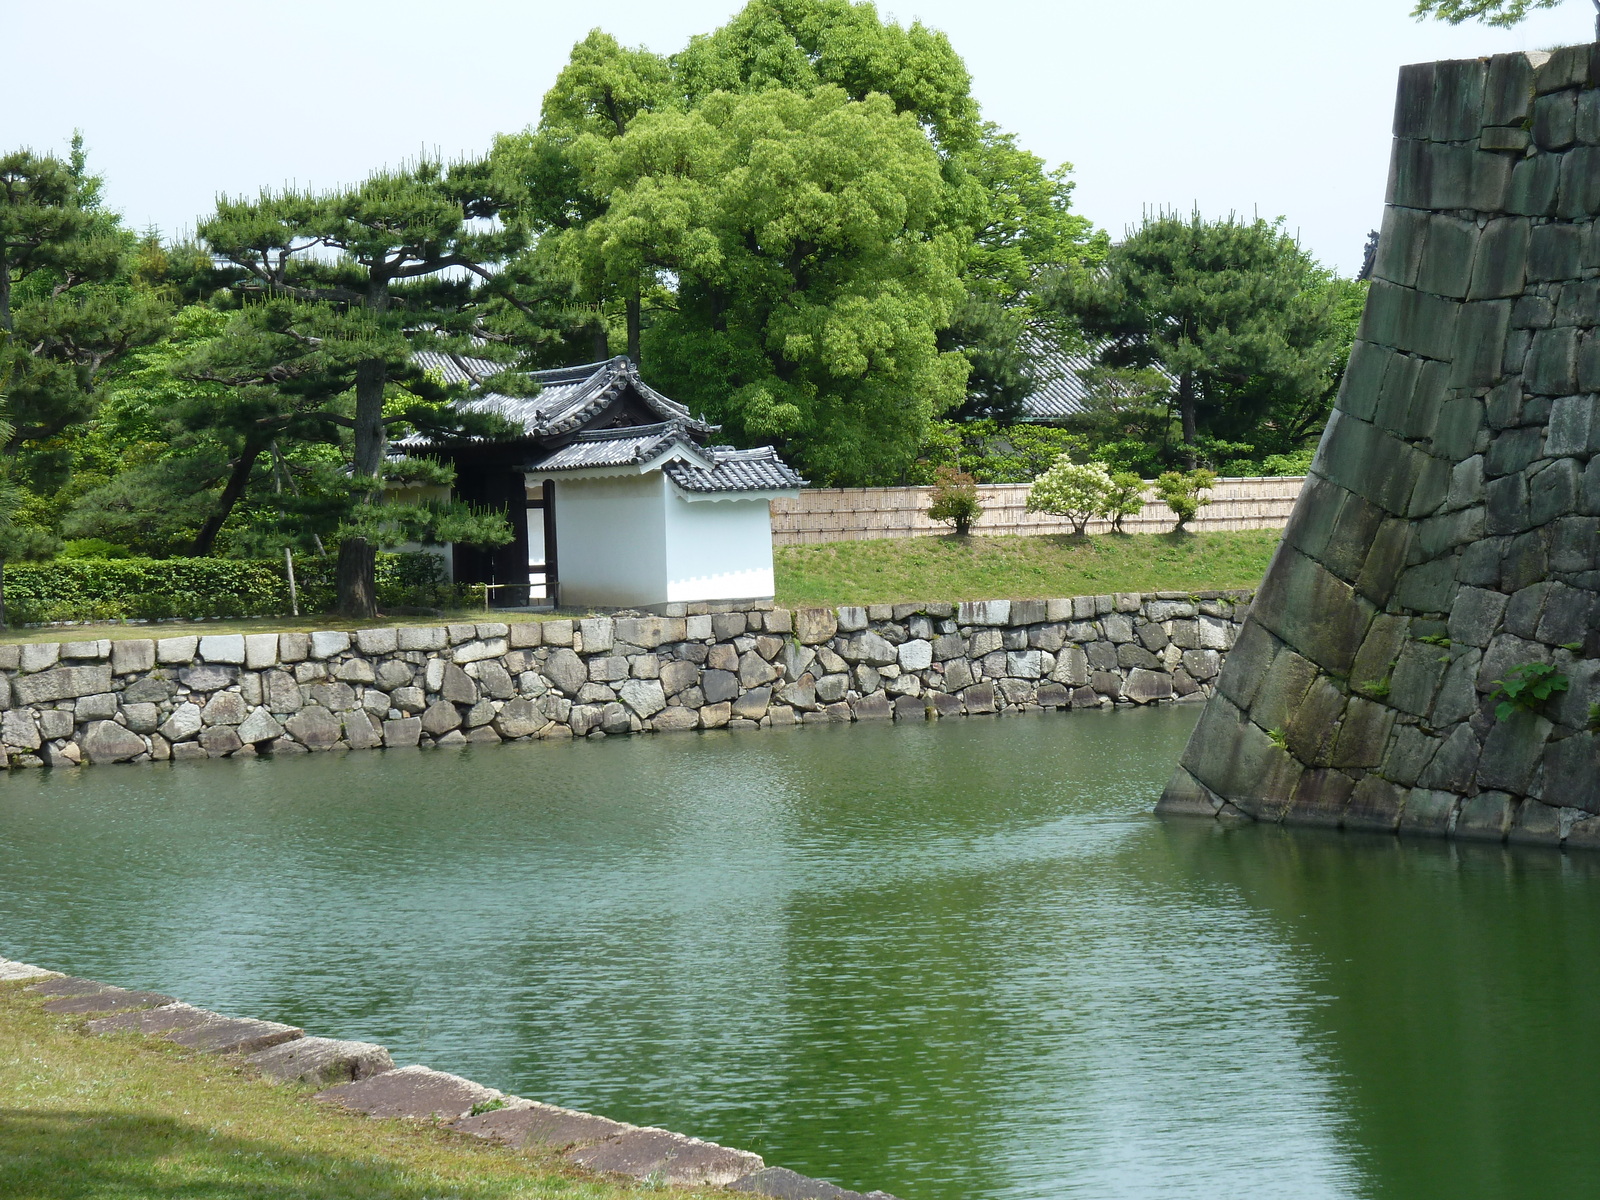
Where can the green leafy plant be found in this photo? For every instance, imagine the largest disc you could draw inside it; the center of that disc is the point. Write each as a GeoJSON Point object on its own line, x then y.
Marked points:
{"type": "Point", "coordinates": [1575, 647]}
{"type": "Point", "coordinates": [955, 499]}
{"type": "Point", "coordinates": [1180, 491]}
{"type": "Point", "coordinates": [1526, 687]}
{"type": "Point", "coordinates": [1435, 639]}
{"type": "Point", "coordinates": [486, 1106]}
{"type": "Point", "coordinates": [1279, 738]}
{"type": "Point", "coordinates": [1377, 688]}
{"type": "Point", "coordinates": [1594, 718]}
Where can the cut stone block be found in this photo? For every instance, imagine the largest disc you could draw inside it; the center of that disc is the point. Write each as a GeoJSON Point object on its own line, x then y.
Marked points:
{"type": "Point", "coordinates": [418, 1093]}
{"type": "Point", "coordinates": [235, 1035]}
{"type": "Point", "coordinates": [321, 1060]}
{"type": "Point", "coordinates": [12, 972]}
{"type": "Point", "coordinates": [780, 1183]}
{"type": "Point", "coordinates": [67, 985]}
{"type": "Point", "coordinates": [668, 1158]}
{"type": "Point", "coordinates": [524, 1123]}
{"type": "Point", "coordinates": [111, 999]}
{"type": "Point", "coordinates": [165, 1019]}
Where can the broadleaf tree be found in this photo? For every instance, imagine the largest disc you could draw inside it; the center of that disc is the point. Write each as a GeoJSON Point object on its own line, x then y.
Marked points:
{"type": "Point", "coordinates": [1503, 13]}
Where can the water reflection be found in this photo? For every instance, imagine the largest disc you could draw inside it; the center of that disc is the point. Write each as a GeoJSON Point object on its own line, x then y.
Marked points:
{"type": "Point", "coordinates": [950, 961]}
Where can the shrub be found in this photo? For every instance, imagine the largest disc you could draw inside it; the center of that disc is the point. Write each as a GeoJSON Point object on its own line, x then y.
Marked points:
{"type": "Point", "coordinates": [955, 499]}
{"type": "Point", "coordinates": [1126, 498]}
{"type": "Point", "coordinates": [1077, 491]}
{"type": "Point", "coordinates": [1180, 491]}
{"type": "Point", "coordinates": [87, 589]}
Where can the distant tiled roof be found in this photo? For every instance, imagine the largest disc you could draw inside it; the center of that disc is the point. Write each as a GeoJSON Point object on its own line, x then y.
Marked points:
{"type": "Point", "coordinates": [733, 470]}
{"type": "Point", "coordinates": [1065, 390]}
{"type": "Point", "coordinates": [568, 396]}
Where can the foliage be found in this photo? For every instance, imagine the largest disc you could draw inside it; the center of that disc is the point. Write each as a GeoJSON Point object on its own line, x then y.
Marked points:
{"type": "Point", "coordinates": [1526, 688]}
{"type": "Point", "coordinates": [1491, 12]}
{"type": "Point", "coordinates": [1126, 498]}
{"type": "Point", "coordinates": [895, 570]}
{"type": "Point", "coordinates": [955, 499]}
{"type": "Point", "coordinates": [994, 453]}
{"type": "Point", "coordinates": [1180, 491]}
{"type": "Point", "coordinates": [1077, 491]}
{"type": "Point", "coordinates": [86, 589]}
{"type": "Point", "coordinates": [1245, 330]}
{"type": "Point", "coordinates": [1594, 718]}
{"type": "Point", "coordinates": [67, 306]}
{"type": "Point", "coordinates": [347, 286]}
{"type": "Point", "coordinates": [803, 227]}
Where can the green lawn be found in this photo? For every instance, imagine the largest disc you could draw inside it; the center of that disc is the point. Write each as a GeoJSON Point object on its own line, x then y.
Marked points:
{"type": "Point", "coordinates": [995, 568]}
{"type": "Point", "coordinates": [129, 1118]}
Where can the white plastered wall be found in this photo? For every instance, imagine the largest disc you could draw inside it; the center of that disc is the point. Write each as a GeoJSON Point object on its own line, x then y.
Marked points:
{"type": "Point", "coordinates": [611, 543]}
{"type": "Point", "coordinates": [717, 549]}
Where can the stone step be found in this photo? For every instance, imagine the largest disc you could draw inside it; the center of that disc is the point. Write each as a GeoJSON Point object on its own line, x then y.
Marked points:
{"type": "Point", "coordinates": [667, 1158]}
{"type": "Point", "coordinates": [780, 1183]}
{"type": "Point", "coordinates": [199, 1029]}
{"type": "Point", "coordinates": [12, 972]}
{"type": "Point", "coordinates": [415, 1092]}
{"type": "Point", "coordinates": [524, 1123]}
{"type": "Point", "coordinates": [67, 985]}
{"type": "Point", "coordinates": [108, 1000]}
{"type": "Point", "coordinates": [166, 1019]}
{"type": "Point", "coordinates": [322, 1060]}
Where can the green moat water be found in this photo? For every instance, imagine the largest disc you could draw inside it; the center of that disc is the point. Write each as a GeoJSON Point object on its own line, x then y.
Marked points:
{"type": "Point", "coordinates": [956, 961]}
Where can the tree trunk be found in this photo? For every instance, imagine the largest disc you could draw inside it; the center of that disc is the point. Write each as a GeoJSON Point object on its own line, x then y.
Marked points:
{"type": "Point", "coordinates": [1186, 414]}
{"type": "Point", "coordinates": [206, 539]}
{"type": "Point", "coordinates": [358, 590]}
{"type": "Point", "coordinates": [5, 293]}
{"type": "Point", "coordinates": [598, 340]}
{"type": "Point", "coordinates": [633, 324]}
{"type": "Point", "coordinates": [357, 556]}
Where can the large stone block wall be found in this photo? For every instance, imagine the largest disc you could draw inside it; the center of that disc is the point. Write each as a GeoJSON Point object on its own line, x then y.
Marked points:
{"type": "Point", "coordinates": [139, 699]}
{"type": "Point", "coordinates": [1448, 531]}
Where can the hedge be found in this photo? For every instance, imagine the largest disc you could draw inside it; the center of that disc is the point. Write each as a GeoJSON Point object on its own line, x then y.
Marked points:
{"type": "Point", "coordinates": [88, 589]}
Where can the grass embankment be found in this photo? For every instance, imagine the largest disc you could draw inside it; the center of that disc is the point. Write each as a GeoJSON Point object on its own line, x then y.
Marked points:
{"type": "Point", "coordinates": [129, 1118]}
{"type": "Point", "coordinates": [997, 568]}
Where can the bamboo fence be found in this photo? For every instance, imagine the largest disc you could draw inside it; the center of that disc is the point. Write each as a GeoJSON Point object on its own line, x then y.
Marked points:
{"type": "Point", "coordinates": [853, 514]}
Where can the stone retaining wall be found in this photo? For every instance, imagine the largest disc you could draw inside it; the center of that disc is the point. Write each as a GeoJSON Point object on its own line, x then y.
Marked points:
{"type": "Point", "coordinates": [1447, 541]}
{"type": "Point", "coordinates": [66, 703]}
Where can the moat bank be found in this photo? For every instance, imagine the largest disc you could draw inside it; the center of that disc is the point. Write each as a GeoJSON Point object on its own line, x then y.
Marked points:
{"type": "Point", "coordinates": [152, 699]}
{"type": "Point", "coordinates": [948, 959]}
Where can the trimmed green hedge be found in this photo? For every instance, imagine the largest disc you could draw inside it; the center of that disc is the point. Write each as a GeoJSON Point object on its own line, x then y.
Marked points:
{"type": "Point", "coordinates": [88, 589]}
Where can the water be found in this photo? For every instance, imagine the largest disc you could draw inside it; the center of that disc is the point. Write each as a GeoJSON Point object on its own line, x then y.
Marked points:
{"type": "Point", "coordinates": [956, 961]}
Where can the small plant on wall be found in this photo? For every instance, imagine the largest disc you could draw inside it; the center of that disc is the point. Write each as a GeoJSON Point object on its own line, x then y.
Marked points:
{"type": "Point", "coordinates": [1526, 688]}
{"type": "Point", "coordinates": [955, 499]}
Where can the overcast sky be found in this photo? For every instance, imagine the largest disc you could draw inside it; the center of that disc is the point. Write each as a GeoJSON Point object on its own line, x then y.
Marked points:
{"type": "Point", "coordinates": [1280, 107]}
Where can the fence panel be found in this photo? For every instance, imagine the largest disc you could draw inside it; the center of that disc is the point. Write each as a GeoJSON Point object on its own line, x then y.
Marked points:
{"type": "Point", "coordinates": [852, 514]}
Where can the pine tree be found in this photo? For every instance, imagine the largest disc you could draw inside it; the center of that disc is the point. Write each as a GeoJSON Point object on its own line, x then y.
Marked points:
{"type": "Point", "coordinates": [365, 276]}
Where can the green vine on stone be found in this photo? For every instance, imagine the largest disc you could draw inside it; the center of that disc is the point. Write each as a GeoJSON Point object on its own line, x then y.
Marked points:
{"type": "Point", "coordinates": [1526, 687]}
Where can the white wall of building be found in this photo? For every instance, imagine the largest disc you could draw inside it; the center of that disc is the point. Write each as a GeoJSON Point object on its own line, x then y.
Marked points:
{"type": "Point", "coordinates": [717, 549]}
{"type": "Point", "coordinates": [611, 543]}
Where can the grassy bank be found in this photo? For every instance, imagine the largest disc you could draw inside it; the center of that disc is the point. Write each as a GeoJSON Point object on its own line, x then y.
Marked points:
{"type": "Point", "coordinates": [993, 568]}
{"type": "Point", "coordinates": [85, 1118]}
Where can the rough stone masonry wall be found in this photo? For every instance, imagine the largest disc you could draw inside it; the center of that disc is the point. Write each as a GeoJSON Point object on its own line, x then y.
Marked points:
{"type": "Point", "coordinates": [1448, 532]}
{"type": "Point", "coordinates": [239, 694]}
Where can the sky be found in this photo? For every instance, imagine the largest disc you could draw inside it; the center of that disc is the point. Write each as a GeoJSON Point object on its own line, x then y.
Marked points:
{"type": "Point", "coordinates": [1269, 107]}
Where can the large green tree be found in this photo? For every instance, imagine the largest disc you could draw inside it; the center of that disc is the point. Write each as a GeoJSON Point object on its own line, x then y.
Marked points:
{"type": "Point", "coordinates": [1490, 12]}
{"type": "Point", "coordinates": [364, 276]}
{"type": "Point", "coordinates": [1234, 313]}
{"type": "Point", "coordinates": [713, 205]}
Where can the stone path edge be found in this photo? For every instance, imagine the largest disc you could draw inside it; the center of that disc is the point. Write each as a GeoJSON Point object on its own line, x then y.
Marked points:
{"type": "Point", "coordinates": [362, 1077]}
{"type": "Point", "coordinates": [749, 666]}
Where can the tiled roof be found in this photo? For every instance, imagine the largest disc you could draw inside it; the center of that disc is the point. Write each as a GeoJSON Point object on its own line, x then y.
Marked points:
{"type": "Point", "coordinates": [733, 470]}
{"type": "Point", "coordinates": [568, 396]}
{"type": "Point", "coordinates": [615, 448]}
{"type": "Point", "coordinates": [693, 468]}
